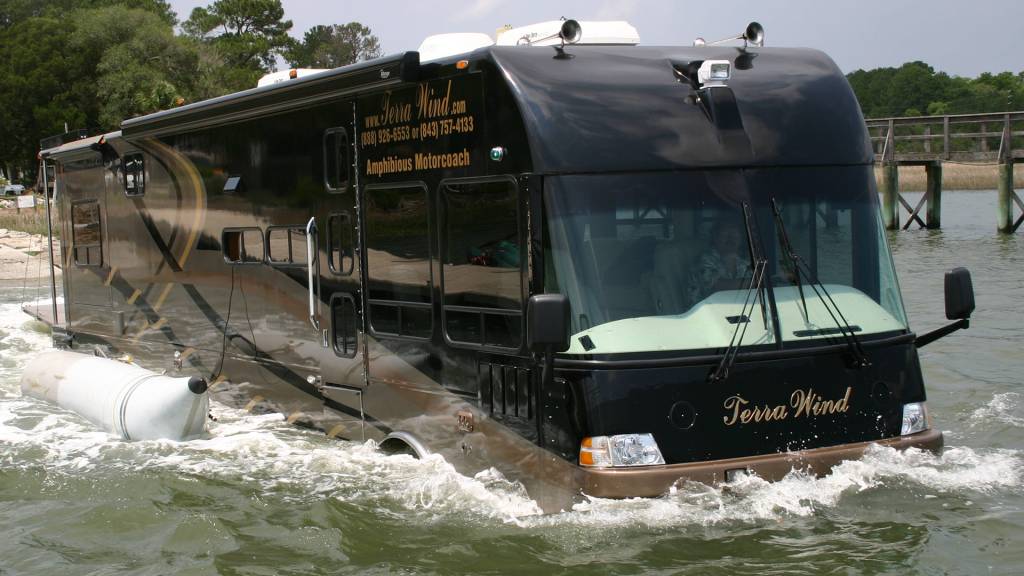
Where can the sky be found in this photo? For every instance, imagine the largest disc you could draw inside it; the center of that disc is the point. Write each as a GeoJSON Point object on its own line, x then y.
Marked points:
{"type": "Point", "coordinates": [960, 37]}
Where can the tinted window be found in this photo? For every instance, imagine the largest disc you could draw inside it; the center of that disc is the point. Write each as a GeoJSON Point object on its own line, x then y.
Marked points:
{"type": "Point", "coordinates": [336, 163]}
{"type": "Point", "coordinates": [483, 258]}
{"type": "Point", "coordinates": [286, 245]}
{"type": "Point", "coordinates": [343, 323]}
{"type": "Point", "coordinates": [339, 244]}
{"type": "Point", "coordinates": [398, 260]}
{"type": "Point", "coordinates": [243, 245]}
{"type": "Point", "coordinates": [86, 232]}
{"type": "Point", "coordinates": [134, 175]}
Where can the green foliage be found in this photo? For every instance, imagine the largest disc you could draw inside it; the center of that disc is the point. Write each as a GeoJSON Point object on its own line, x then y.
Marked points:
{"type": "Point", "coordinates": [248, 34]}
{"type": "Point", "coordinates": [14, 11]}
{"type": "Point", "coordinates": [334, 46]}
{"type": "Point", "coordinates": [140, 66]}
{"type": "Point", "coordinates": [92, 63]}
{"type": "Point", "coordinates": [44, 85]}
{"type": "Point", "coordinates": [915, 88]}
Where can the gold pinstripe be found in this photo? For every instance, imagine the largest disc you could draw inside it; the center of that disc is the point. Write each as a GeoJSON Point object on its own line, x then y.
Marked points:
{"type": "Point", "coordinates": [252, 403]}
{"type": "Point", "coordinates": [135, 296]}
{"type": "Point", "coordinates": [163, 297]}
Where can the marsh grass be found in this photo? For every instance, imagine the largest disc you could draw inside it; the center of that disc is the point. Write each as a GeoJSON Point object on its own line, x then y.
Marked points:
{"type": "Point", "coordinates": [31, 220]}
{"type": "Point", "coordinates": [954, 177]}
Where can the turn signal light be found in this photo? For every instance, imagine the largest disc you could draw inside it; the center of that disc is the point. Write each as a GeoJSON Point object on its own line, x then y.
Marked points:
{"type": "Point", "coordinates": [621, 450]}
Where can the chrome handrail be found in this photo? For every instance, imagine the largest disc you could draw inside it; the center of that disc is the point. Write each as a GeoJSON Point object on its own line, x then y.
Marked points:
{"type": "Point", "coordinates": [310, 262]}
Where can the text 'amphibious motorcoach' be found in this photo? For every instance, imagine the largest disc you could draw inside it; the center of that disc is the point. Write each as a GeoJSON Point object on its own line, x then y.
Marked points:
{"type": "Point", "coordinates": [595, 266]}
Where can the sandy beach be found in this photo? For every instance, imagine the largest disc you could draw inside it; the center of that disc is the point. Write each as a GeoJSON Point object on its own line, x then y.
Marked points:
{"type": "Point", "coordinates": [23, 257]}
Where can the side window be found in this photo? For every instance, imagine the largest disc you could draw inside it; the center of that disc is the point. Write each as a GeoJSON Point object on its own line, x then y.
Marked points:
{"type": "Point", "coordinates": [243, 245]}
{"type": "Point", "coordinates": [343, 324]}
{"type": "Point", "coordinates": [336, 161]}
{"type": "Point", "coordinates": [398, 260]}
{"type": "Point", "coordinates": [482, 261]}
{"type": "Point", "coordinates": [286, 246]}
{"type": "Point", "coordinates": [340, 247]}
{"type": "Point", "coordinates": [134, 175]}
{"type": "Point", "coordinates": [86, 233]}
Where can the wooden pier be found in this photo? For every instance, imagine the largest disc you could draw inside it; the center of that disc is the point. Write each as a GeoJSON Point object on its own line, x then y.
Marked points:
{"type": "Point", "coordinates": [930, 141]}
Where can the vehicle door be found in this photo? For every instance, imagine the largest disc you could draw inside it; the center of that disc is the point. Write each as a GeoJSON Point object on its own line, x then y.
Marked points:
{"type": "Point", "coordinates": [340, 299]}
{"type": "Point", "coordinates": [84, 184]}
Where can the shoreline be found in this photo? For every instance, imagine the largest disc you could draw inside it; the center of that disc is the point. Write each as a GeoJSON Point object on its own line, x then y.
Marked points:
{"type": "Point", "coordinates": [23, 257]}
{"type": "Point", "coordinates": [954, 177]}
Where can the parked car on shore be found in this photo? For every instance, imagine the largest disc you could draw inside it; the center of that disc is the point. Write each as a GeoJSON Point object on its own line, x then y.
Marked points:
{"type": "Point", "coordinates": [13, 189]}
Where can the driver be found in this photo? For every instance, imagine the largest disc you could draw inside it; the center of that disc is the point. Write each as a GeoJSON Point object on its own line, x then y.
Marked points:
{"type": "Point", "coordinates": [725, 266]}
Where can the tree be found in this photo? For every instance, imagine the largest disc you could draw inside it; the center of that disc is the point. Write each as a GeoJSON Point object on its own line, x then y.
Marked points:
{"type": "Point", "coordinates": [140, 65]}
{"type": "Point", "coordinates": [916, 86]}
{"type": "Point", "coordinates": [248, 34]}
{"type": "Point", "coordinates": [14, 11]}
{"type": "Point", "coordinates": [43, 86]}
{"type": "Point", "coordinates": [334, 46]}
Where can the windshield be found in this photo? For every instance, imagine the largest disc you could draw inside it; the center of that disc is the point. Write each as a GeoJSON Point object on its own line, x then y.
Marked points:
{"type": "Point", "coordinates": [662, 261]}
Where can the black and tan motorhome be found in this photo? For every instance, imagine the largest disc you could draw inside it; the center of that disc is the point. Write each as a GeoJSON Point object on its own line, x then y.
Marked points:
{"type": "Point", "coordinates": [598, 269]}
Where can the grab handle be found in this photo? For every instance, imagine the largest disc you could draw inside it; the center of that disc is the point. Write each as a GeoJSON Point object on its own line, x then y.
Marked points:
{"type": "Point", "coordinates": [310, 263]}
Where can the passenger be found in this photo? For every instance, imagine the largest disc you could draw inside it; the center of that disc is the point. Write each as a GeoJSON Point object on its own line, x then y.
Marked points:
{"type": "Point", "coordinates": [726, 266]}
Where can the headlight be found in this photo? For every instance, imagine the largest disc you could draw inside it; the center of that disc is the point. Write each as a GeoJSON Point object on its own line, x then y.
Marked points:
{"type": "Point", "coordinates": [620, 450]}
{"type": "Point", "coordinates": [915, 418]}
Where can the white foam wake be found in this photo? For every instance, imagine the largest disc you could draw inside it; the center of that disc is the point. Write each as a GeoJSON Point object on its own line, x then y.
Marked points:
{"type": "Point", "coordinates": [957, 470]}
{"type": "Point", "coordinates": [20, 338]}
{"type": "Point", "coordinates": [288, 463]}
{"type": "Point", "coordinates": [1003, 408]}
{"type": "Point", "coordinates": [293, 463]}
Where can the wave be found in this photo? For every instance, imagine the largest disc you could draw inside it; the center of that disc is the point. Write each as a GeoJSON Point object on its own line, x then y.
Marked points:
{"type": "Point", "coordinates": [291, 463]}
{"type": "Point", "coordinates": [1002, 408]}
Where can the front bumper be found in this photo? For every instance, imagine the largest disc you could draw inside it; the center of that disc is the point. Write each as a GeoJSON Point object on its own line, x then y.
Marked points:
{"type": "Point", "coordinates": [651, 481]}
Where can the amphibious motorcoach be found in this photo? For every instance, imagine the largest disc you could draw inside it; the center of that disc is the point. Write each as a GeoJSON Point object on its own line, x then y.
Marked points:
{"type": "Point", "coordinates": [598, 268]}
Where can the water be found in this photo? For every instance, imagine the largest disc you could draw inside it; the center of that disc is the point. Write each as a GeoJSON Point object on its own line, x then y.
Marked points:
{"type": "Point", "coordinates": [262, 497]}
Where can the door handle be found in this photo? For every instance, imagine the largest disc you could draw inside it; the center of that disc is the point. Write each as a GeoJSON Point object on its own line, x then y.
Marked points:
{"type": "Point", "coordinates": [310, 264]}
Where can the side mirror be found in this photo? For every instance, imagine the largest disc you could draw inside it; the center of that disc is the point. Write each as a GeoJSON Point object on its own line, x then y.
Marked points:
{"type": "Point", "coordinates": [959, 294]}
{"type": "Point", "coordinates": [959, 305]}
{"type": "Point", "coordinates": [547, 322]}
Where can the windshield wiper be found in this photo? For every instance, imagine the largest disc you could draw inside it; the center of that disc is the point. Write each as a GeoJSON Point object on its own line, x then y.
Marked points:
{"type": "Point", "coordinates": [791, 254]}
{"type": "Point", "coordinates": [860, 359]}
{"type": "Point", "coordinates": [758, 265]}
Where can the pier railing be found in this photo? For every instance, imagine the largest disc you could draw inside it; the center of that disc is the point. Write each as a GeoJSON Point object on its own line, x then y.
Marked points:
{"type": "Point", "coordinates": [959, 138]}
{"type": "Point", "coordinates": [929, 141]}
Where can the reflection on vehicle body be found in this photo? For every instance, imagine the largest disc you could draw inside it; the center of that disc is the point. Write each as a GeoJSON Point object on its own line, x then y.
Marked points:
{"type": "Point", "coordinates": [657, 266]}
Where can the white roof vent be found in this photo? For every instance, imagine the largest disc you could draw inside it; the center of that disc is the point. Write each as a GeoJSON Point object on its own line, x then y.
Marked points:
{"type": "Point", "coordinates": [617, 32]}
{"type": "Point", "coordinates": [286, 75]}
{"type": "Point", "coordinates": [442, 45]}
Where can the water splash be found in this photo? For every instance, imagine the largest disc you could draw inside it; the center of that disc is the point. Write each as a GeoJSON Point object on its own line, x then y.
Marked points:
{"type": "Point", "coordinates": [1003, 408]}
{"type": "Point", "coordinates": [293, 464]}
{"type": "Point", "coordinates": [958, 470]}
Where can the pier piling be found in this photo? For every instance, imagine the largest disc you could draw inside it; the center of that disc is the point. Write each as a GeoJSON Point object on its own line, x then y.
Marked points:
{"type": "Point", "coordinates": [1004, 209]}
{"type": "Point", "coordinates": [933, 191]}
{"type": "Point", "coordinates": [890, 194]}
